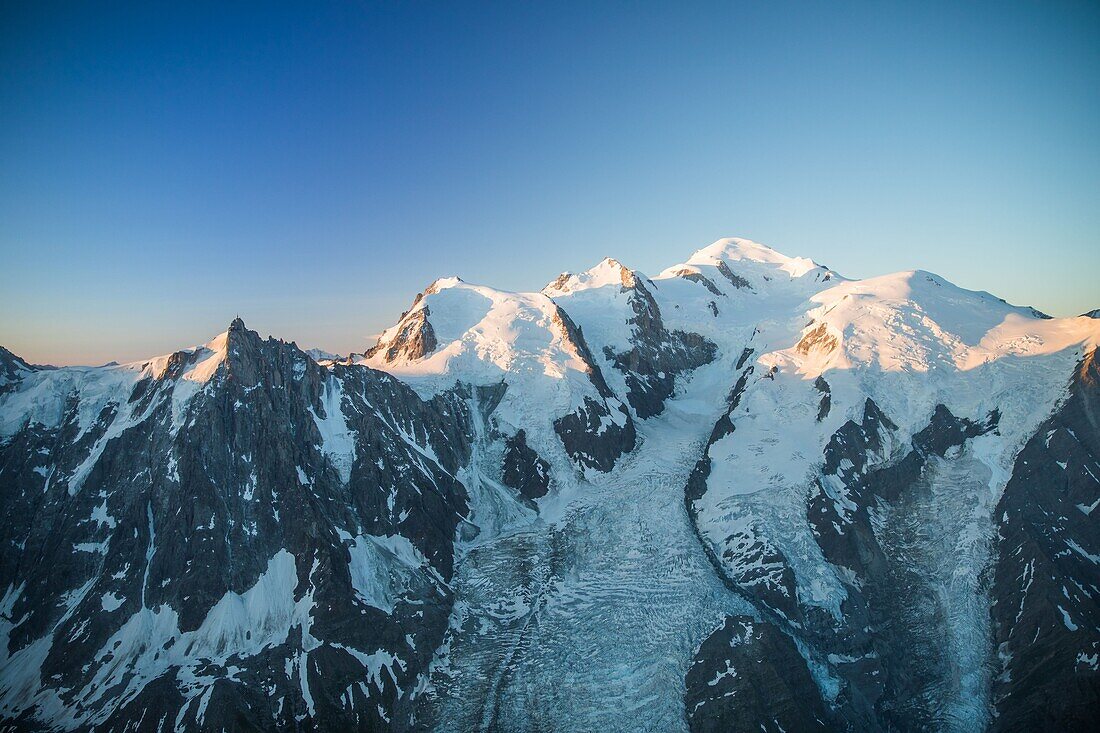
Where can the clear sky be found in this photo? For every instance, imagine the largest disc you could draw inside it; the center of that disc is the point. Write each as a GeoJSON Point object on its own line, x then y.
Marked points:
{"type": "Point", "coordinates": [166, 167]}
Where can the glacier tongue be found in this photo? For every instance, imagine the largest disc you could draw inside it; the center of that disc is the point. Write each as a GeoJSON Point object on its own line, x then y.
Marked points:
{"type": "Point", "coordinates": [587, 619]}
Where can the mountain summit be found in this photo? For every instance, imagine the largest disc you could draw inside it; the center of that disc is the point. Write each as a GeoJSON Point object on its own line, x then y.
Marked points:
{"type": "Point", "coordinates": [735, 249]}
{"type": "Point", "coordinates": [745, 493]}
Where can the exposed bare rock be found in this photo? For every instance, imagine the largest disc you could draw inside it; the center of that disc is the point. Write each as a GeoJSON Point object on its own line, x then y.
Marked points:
{"type": "Point", "coordinates": [1046, 581]}
{"type": "Point", "coordinates": [749, 676]}
{"type": "Point", "coordinates": [698, 277]}
{"type": "Point", "coordinates": [524, 470]}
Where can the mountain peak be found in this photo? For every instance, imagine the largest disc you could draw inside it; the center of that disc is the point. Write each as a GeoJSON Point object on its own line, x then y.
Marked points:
{"type": "Point", "coordinates": [442, 283]}
{"type": "Point", "coordinates": [12, 367]}
{"type": "Point", "coordinates": [737, 249]}
{"type": "Point", "coordinates": [235, 333]}
{"type": "Point", "coordinates": [7, 356]}
{"type": "Point", "coordinates": [608, 271]}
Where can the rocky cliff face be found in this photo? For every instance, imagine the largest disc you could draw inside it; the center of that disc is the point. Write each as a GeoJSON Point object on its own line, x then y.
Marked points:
{"type": "Point", "coordinates": [647, 355]}
{"type": "Point", "coordinates": [1046, 575]}
{"type": "Point", "coordinates": [733, 667]}
{"type": "Point", "coordinates": [657, 354]}
{"type": "Point", "coordinates": [415, 339]}
{"type": "Point", "coordinates": [599, 431]}
{"type": "Point", "coordinates": [745, 494]}
{"type": "Point", "coordinates": [13, 369]}
{"type": "Point", "coordinates": [231, 538]}
{"type": "Point", "coordinates": [524, 470]}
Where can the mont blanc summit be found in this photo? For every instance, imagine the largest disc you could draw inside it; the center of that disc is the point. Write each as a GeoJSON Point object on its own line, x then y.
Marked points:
{"type": "Point", "coordinates": [744, 493]}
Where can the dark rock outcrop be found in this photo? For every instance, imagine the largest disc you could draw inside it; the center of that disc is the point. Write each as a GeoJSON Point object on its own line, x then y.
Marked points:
{"type": "Point", "coordinates": [13, 369]}
{"type": "Point", "coordinates": [595, 434]}
{"type": "Point", "coordinates": [202, 551]}
{"type": "Point", "coordinates": [889, 670]}
{"type": "Point", "coordinates": [868, 479]}
{"type": "Point", "coordinates": [736, 280]}
{"type": "Point", "coordinates": [524, 470]}
{"type": "Point", "coordinates": [658, 355]}
{"type": "Point", "coordinates": [748, 676]}
{"type": "Point", "coordinates": [415, 338]}
{"type": "Point", "coordinates": [1046, 577]}
{"type": "Point", "coordinates": [858, 471]}
{"type": "Point", "coordinates": [826, 398]}
{"type": "Point", "coordinates": [698, 277]}
{"type": "Point", "coordinates": [599, 431]}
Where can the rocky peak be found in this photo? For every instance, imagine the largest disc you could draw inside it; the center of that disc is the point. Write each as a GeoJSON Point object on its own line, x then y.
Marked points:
{"type": "Point", "coordinates": [12, 368]}
{"type": "Point", "coordinates": [7, 357]}
{"type": "Point", "coordinates": [320, 355]}
{"type": "Point", "coordinates": [626, 276]}
{"type": "Point", "coordinates": [238, 347]}
{"type": "Point", "coordinates": [414, 340]}
{"type": "Point", "coordinates": [559, 284]}
{"type": "Point", "coordinates": [609, 272]}
{"type": "Point", "coordinates": [439, 284]}
{"type": "Point", "coordinates": [413, 337]}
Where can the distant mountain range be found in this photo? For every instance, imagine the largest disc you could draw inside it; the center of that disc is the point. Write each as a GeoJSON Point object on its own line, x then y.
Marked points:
{"type": "Point", "coordinates": [747, 493]}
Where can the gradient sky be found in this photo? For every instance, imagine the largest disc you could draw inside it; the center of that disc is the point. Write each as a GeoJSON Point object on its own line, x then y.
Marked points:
{"type": "Point", "coordinates": [166, 167]}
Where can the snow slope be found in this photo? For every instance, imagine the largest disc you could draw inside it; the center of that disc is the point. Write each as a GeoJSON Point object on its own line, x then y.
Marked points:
{"type": "Point", "coordinates": [486, 337]}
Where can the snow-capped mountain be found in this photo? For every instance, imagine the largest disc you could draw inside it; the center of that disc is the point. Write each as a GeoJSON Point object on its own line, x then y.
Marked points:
{"type": "Point", "coordinates": [746, 493]}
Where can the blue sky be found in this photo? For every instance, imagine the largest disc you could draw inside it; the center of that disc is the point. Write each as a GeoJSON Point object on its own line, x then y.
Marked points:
{"type": "Point", "coordinates": [166, 167]}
